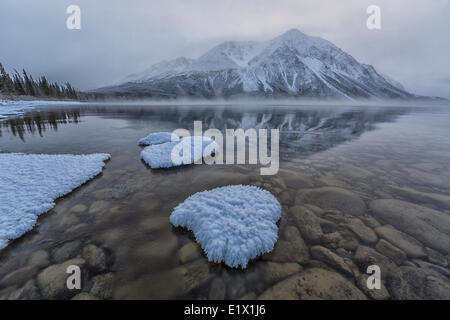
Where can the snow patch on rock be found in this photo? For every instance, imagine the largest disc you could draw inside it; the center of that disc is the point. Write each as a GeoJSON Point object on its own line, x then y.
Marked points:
{"type": "Point", "coordinates": [170, 154]}
{"type": "Point", "coordinates": [156, 138]}
{"type": "Point", "coordinates": [233, 224]}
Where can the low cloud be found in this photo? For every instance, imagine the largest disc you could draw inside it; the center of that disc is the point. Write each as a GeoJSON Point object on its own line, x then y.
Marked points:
{"type": "Point", "coordinates": [122, 37]}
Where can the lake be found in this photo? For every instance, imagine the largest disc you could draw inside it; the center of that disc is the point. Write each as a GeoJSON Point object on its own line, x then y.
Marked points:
{"type": "Point", "coordinates": [359, 186]}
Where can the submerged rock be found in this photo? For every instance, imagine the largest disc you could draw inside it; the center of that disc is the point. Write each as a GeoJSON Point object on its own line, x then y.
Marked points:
{"type": "Point", "coordinates": [351, 172]}
{"type": "Point", "coordinates": [332, 239]}
{"type": "Point", "coordinates": [217, 290]}
{"type": "Point", "coordinates": [79, 208]}
{"type": "Point", "coordinates": [390, 251]}
{"type": "Point", "coordinates": [410, 283]}
{"type": "Point", "coordinates": [157, 251]}
{"type": "Point", "coordinates": [432, 267]}
{"type": "Point", "coordinates": [84, 296]}
{"type": "Point", "coordinates": [221, 178]}
{"type": "Point", "coordinates": [408, 244]}
{"type": "Point", "coordinates": [95, 258]}
{"type": "Point", "coordinates": [236, 287]}
{"type": "Point", "coordinates": [291, 248]}
{"type": "Point", "coordinates": [66, 251]}
{"type": "Point", "coordinates": [427, 179]}
{"type": "Point", "coordinates": [312, 284]}
{"type": "Point", "coordinates": [307, 222]}
{"type": "Point", "coordinates": [376, 294]}
{"type": "Point", "coordinates": [18, 277]}
{"type": "Point", "coordinates": [333, 198]}
{"type": "Point", "coordinates": [366, 256]}
{"type": "Point", "coordinates": [349, 244]}
{"type": "Point", "coordinates": [436, 258]}
{"type": "Point", "coordinates": [67, 220]}
{"type": "Point", "coordinates": [28, 292]}
{"type": "Point", "coordinates": [363, 232]}
{"type": "Point", "coordinates": [274, 272]}
{"type": "Point", "coordinates": [153, 224]}
{"type": "Point", "coordinates": [286, 198]}
{"type": "Point", "coordinates": [39, 259]}
{"type": "Point", "coordinates": [429, 226]}
{"type": "Point", "coordinates": [102, 286]}
{"type": "Point", "coordinates": [170, 284]}
{"type": "Point", "coordinates": [189, 252]}
{"type": "Point", "coordinates": [332, 259]}
{"type": "Point", "coordinates": [98, 206]}
{"type": "Point", "coordinates": [296, 180]}
{"type": "Point", "coordinates": [439, 200]}
{"type": "Point", "coordinates": [52, 280]}
{"type": "Point", "coordinates": [249, 296]}
{"type": "Point", "coordinates": [104, 193]}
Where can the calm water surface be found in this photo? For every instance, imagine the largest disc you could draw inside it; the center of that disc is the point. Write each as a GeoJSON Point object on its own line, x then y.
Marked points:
{"type": "Point", "coordinates": [373, 152]}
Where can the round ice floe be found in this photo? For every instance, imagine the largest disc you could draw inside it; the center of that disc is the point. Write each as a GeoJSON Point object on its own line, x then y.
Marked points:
{"type": "Point", "coordinates": [232, 224]}
{"type": "Point", "coordinates": [156, 138]}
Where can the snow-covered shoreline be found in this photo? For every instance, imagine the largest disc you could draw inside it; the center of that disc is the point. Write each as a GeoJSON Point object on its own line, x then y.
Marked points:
{"type": "Point", "coordinates": [10, 108]}
{"type": "Point", "coordinates": [30, 183]}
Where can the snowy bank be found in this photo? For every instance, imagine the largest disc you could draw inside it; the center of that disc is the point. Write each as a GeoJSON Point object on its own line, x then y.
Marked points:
{"type": "Point", "coordinates": [232, 224]}
{"type": "Point", "coordinates": [187, 150]}
{"type": "Point", "coordinates": [29, 185]}
{"type": "Point", "coordinates": [156, 138]}
{"type": "Point", "coordinates": [16, 108]}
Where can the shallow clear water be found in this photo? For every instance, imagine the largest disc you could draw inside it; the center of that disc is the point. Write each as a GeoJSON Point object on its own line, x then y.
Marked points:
{"type": "Point", "coordinates": [374, 152]}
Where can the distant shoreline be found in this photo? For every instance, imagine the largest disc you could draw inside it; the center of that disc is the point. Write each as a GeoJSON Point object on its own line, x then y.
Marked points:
{"type": "Point", "coordinates": [14, 108]}
{"type": "Point", "coordinates": [23, 100]}
{"type": "Point", "coordinates": [9, 97]}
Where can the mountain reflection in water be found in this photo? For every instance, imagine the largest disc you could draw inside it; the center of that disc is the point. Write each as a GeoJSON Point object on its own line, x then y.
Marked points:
{"type": "Point", "coordinates": [302, 130]}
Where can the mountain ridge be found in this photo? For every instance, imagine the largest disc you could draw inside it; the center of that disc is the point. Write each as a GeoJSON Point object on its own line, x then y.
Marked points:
{"type": "Point", "coordinates": [290, 65]}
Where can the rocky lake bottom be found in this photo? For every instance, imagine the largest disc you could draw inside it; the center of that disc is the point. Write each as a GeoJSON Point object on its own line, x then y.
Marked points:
{"type": "Point", "coordinates": [358, 186]}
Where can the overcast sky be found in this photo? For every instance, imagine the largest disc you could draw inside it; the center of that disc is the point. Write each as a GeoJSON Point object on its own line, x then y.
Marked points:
{"type": "Point", "coordinates": [120, 37]}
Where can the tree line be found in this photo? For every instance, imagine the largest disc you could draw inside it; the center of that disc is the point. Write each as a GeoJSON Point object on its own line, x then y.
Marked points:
{"type": "Point", "coordinates": [18, 84]}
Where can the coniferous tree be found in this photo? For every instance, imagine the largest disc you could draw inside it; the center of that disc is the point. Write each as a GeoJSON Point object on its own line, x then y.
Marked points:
{"type": "Point", "coordinates": [6, 81]}
{"type": "Point", "coordinates": [2, 85]}
{"type": "Point", "coordinates": [35, 87]}
{"type": "Point", "coordinates": [59, 91]}
{"type": "Point", "coordinates": [25, 84]}
{"type": "Point", "coordinates": [29, 88]}
{"type": "Point", "coordinates": [44, 86]}
{"type": "Point", "coordinates": [18, 84]}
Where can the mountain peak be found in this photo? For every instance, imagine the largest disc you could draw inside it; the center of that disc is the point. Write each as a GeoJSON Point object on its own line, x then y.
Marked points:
{"type": "Point", "coordinates": [293, 33]}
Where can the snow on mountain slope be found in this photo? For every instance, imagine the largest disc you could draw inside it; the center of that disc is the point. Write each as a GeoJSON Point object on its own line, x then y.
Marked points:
{"type": "Point", "coordinates": [292, 64]}
{"type": "Point", "coordinates": [393, 82]}
{"type": "Point", "coordinates": [228, 55]}
{"type": "Point", "coordinates": [160, 69]}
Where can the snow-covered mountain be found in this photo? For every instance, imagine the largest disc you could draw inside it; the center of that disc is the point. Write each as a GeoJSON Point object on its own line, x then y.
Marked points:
{"type": "Point", "coordinates": [293, 64]}
{"type": "Point", "coordinates": [160, 69]}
